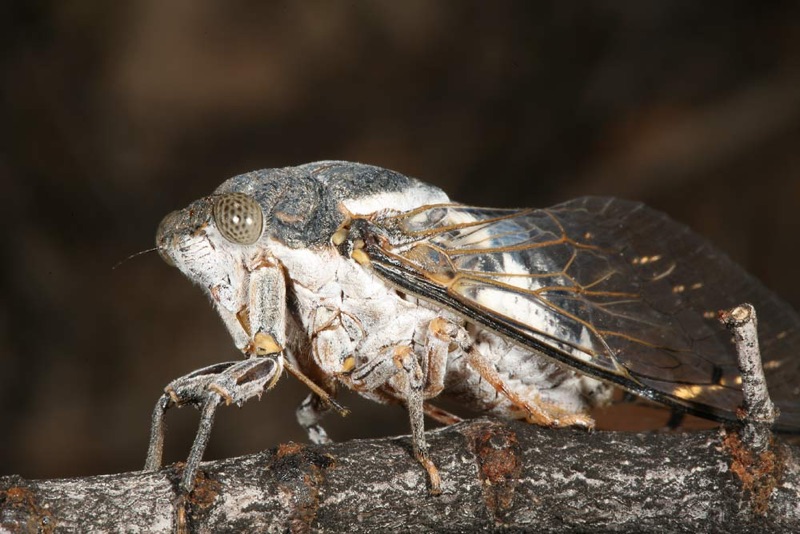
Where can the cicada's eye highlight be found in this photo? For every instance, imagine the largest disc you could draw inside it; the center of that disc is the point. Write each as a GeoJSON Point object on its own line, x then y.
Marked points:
{"type": "Point", "coordinates": [238, 218]}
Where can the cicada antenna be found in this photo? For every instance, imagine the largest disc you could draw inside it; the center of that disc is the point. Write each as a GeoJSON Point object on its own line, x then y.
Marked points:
{"type": "Point", "coordinates": [134, 255]}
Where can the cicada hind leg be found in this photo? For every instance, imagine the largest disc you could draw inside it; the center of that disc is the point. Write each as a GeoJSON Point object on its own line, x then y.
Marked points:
{"type": "Point", "coordinates": [536, 410]}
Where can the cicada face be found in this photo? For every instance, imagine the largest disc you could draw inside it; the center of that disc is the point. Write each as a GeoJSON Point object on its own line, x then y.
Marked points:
{"type": "Point", "coordinates": [213, 241]}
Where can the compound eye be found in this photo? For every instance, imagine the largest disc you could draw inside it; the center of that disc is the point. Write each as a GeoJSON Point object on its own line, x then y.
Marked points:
{"type": "Point", "coordinates": [238, 218]}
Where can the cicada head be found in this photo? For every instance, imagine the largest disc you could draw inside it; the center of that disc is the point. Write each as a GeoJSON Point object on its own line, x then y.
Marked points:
{"type": "Point", "coordinates": [218, 240]}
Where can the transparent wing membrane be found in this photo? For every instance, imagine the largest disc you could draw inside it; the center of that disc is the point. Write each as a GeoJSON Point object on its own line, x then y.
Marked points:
{"type": "Point", "coordinates": [608, 286]}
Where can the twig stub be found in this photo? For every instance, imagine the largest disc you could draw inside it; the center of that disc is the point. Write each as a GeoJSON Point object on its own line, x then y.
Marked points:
{"type": "Point", "coordinates": [758, 407]}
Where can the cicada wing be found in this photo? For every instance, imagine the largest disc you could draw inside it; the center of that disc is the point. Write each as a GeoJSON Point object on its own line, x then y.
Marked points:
{"type": "Point", "coordinates": [607, 286]}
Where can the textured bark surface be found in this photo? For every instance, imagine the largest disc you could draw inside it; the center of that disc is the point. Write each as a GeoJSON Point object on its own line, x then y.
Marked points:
{"type": "Point", "coordinates": [495, 475]}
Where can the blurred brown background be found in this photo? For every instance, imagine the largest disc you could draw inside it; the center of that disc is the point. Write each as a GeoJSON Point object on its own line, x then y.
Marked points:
{"type": "Point", "coordinates": [115, 113]}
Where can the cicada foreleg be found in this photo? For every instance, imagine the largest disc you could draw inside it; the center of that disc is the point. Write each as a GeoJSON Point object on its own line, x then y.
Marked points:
{"type": "Point", "coordinates": [259, 329]}
{"type": "Point", "coordinates": [205, 389]}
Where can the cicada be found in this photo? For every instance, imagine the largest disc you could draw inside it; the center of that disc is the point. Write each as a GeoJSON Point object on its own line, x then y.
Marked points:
{"type": "Point", "coordinates": [351, 275]}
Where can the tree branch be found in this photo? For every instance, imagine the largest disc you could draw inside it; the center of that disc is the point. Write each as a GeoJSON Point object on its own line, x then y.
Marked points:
{"type": "Point", "coordinates": [494, 475]}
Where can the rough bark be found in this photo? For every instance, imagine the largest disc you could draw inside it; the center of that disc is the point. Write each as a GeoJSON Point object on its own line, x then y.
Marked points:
{"type": "Point", "coordinates": [495, 475]}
